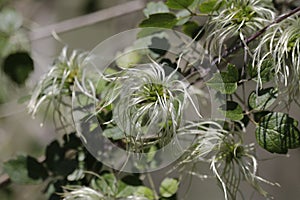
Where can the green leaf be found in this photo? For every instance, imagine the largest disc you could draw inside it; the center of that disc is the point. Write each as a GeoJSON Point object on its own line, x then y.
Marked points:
{"type": "Point", "coordinates": [25, 170]}
{"type": "Point", "coordinates": [168, 187]}
{"type": "Point", "coordinates": [124, 190]}
{"type": "Point", "coordinates": [107, 184]}
{"type": "Point", "coordinates": [179, 4]}
{"type": "Point", "coordinates": [232, 110]}
{"type": "Point", "coordinates": [132, 180]}
{"type": "Point", "coordinates": [266, 72]}
{"type": "Point", "coordinates": [155, 7]}
{"type": "Point", "coordinates": [56, 161]}
{"type": "Point", "coordinates": [18, 66]}
{"type": "Point", "coordinates": [4, 40]}
{"type": "Point", "coordinates": [183, 16]}
{"type": "Point", "coordinates": [277, 132]}
{"type": "Point", "coordinates": [192, 29]}
{"type": "Point", "coordinates": [209, 6]}
{"type": "Point", "coordinates": [162, 20]}
{"type": "Point", "coordinates": [262, 99]}
{"type": "Point", "coordinates": [159, 46]}
{"type": "Point", "coordinates": [225, 82]}
{"type": "Point", "coordinates": [76, 175]}
{"type": "Point", "coordinates": [151, 153]}
{"type": "Point", "coordinates": [142, 191]}
{"type": "Point", "coordinates": [114, 133]}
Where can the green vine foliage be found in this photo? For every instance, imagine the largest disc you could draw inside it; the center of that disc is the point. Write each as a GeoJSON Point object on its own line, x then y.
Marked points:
{"type": "Point", "coordinates": [249, 43]}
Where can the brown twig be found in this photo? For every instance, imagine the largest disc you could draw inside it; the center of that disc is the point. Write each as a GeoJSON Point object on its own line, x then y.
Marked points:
{"type": "Point", "coordinates": [4, 180]}
{"type": "Point", "coordinates": [86, 20]}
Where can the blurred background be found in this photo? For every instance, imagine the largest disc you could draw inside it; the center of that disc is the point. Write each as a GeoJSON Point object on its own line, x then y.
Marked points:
{"type": "Point", "coordinates": [20, 134]}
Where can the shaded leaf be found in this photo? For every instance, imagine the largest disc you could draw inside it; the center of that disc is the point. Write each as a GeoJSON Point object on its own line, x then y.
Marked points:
{"type": "Point", "coordinates": [192, 29]}
{"type": "Point", "coordinates": [262, 99]}
{"type": "Point", "coordinates": [179, 4]}
{"type": "Point", "coordinates": [225, 82]}
{"type": "Point", "coordinates": [159, 45]}
{"type": "Point", "coordinates": [107, 184]}
{"type": "Point", "coordinates": [18, 66]}
{"type": "Point", "coordinates": [168, 187]}
{"type": "Point", "coordinates": [155, 7]}
{"type": "Point", "coordinates": [36, 170]}
{"type": "Point", "coordinates": [232, 110]}
{"type": "Point", "coordinates": [124, 190]}
{"type": "Point", "coordinates": [114, 133]}
{"type": "Point", "coordinates": [57, 162]}
{"type": "Point", "coordinates": [277, 132]}
{"type": "Point", "coordinates": [132, 180]}
{"type": "Point", "coordinates": [25, 170]}
{"type": "Point", "coordinates": [162, 20]}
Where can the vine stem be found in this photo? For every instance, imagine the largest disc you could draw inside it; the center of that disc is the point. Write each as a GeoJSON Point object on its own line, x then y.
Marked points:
{"type": "Point", "coordinates": [152, 185]}
{"type": "Point", "coordinates": [4, 180]}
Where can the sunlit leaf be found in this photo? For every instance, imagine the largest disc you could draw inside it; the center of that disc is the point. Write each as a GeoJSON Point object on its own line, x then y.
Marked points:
{"type": "Point", "coordinates": [232, 110]}
{"type": "Point", "coordinates": [144, 192]}
{"type": "Point", "coordinates": [262, 99]}
{"type": "Point", "coordinates": [225, 82]}
{"type": "Point", "coordinates": [168, 187]}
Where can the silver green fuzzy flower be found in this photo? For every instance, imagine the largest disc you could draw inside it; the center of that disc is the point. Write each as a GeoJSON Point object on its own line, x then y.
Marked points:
{"type": "Point", "coordinates": [230, 160]}
{"type": "Point", "coordinates": [83, 193]}
{"type": "Point", "coordinates": [281, 45]}
{"type": "Point", "coordinates": [56, 85]}
{"type": "Point", "coordinates": [149, 102]}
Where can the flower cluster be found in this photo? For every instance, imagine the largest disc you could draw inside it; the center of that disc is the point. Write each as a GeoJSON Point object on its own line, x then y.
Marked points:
{"type": "Point", "coordinates": [149, 101]}
{"type": "Point", "coordinates": [231, 161]}
{"type": "Point", "coordinates": [57, 83]}
{"type": "Point", "coordinates": [281, 45]}
{"type": "Point", "coordinates": [238, 18]}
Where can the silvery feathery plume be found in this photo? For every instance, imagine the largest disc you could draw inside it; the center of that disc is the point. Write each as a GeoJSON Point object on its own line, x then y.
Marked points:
{"type": "Point", "coordinates": [281, 45]}
{"type": "Point", "coordinates": [87, 193]}
{"type": "Point", "coordinates": [230, 159]}
{"type": "Point", "coordinates": [234, 162]}
{"type": "Point", "coordinates": [149, 102]}
{"type": "Point", "coordinates": [57, 83]}
{"type": "Point", "coordinates": [239, 18]}
{"type": "Point", "coordinates": [83, 193]}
